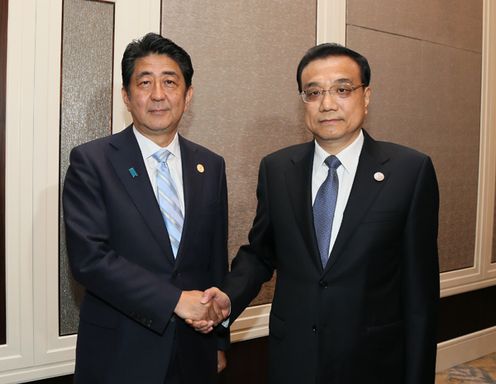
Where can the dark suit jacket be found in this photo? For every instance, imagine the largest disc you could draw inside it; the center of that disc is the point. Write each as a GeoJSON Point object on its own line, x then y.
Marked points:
{"type": "Point", "coordinates": [119, 250]}
{"type": "Point", "coordinates": [370, 315]}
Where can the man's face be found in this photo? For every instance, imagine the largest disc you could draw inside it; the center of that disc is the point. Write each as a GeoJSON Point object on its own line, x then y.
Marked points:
{"type": "Point", "coordinates": [157, 96]}
{"type": "Point", "coordinates": [334, 121]}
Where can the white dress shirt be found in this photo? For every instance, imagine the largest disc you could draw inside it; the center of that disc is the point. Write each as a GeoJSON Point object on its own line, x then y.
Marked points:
{"type": "Point", "coordinates": [346, 175]}
{"type": "Point", "coordinates": [148, 148]}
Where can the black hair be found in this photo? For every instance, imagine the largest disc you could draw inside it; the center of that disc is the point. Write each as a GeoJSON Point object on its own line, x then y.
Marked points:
{"type": "Point", "coordinates": [153, 43]}
{"type": "Point", "coordinates": [322, 51]}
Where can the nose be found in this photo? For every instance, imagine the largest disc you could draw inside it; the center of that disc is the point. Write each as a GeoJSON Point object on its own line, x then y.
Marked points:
{"type": "Point", "coordinates": [328, 102]}
{"type": "Point", "coordinates": [158, 92]}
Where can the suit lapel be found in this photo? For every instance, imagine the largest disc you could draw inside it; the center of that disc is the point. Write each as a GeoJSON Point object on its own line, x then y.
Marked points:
{"type": "Point", "coordinates": [193, 187]}
{"type": "Point", "coordinates": [364, 191]}
{"type": "Point", "coordinates": [127, 160]}
{"type": "Point", "coordinates": [299, 186]}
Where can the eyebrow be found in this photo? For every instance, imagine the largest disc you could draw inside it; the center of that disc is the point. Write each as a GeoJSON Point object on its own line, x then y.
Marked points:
{"type": "Point", "coordinates": [163, 73]}
{"type": "Point", "coordinates": [338, 81]}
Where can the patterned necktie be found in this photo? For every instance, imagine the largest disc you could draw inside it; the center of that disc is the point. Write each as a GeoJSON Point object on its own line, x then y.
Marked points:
{"type": "Point", "coordinates": [168, 200]}
{"type": "Point", "coordinates": [324, 206]}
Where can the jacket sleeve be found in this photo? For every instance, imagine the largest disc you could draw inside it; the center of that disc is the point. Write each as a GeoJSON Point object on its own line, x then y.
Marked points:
{"type": "Point", "coordinates": [219, 242]}
{"type": "Point", "coordinates": [253, 264]}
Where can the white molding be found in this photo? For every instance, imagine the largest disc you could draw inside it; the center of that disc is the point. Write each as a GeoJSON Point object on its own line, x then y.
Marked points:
{"type": "Point", "coordinates": [18, 180]}
{"type": "Point", "coordinates": [466, 348]}
{"type": "Point", "coordinates": [28, 374]}
{"type": "Point", "coordinates": [252, 323]}
{"type": "Point", "coordinates": [488, 134]}
{"type": "Point", "coordinates": [48, 346]}
{"type": "Point", "coordinates": [331, 21]}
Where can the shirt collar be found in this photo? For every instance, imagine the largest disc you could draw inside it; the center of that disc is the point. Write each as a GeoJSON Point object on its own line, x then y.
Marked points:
{"type": "Point", "coordinates": [348, 156]}
{"type": "Point", "coordinates": [148, 147]}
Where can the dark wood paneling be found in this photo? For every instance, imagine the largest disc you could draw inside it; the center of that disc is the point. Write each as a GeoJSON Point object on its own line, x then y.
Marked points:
{"type": "Point", "coordinates": [466, 313]}
{"type": "Point", "coordinates": [3, 76]}
{"type": "Point", "coordinates": [247, 363]}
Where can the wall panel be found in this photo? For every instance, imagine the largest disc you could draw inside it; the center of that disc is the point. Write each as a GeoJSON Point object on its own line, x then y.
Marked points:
{"type": "Point", "coordinates": [453, 23]}
{"type": "Point", "coordinates": [426, 87]}
{"type": "Point", "coordinates": [86, 110]}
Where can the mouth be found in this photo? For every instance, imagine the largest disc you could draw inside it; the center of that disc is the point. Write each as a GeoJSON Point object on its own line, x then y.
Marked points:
{"type": "Point", "coordinates": [157, 111]}
{"type": "Point", "coordinates": [330, 121]}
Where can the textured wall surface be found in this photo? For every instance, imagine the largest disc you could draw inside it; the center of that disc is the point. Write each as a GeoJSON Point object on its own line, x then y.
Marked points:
{"type": "Point", "coordinates": [426, 80]}
{"type": "Point", "coordinates": [246, 103]}
{"type": "Point", "coordinates": [86, 110]}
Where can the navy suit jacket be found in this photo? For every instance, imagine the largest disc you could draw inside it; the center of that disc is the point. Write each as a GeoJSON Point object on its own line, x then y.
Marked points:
{"type": "Point", "coordinates": [119, 250]}
{"type": "Point", "coordinates": [369, 316]}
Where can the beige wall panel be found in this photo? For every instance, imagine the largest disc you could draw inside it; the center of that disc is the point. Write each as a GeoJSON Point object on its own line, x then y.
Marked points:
{"type": "Point", "coordinates": [456, 23]}
{"type": "Point", "coordinates": [246, 104]}
{"type": "Point", "coordinates": [427, 96]}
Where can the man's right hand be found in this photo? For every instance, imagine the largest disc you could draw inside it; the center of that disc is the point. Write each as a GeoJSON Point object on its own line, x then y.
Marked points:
{"type": "Point", "coordinates": [219, 309]}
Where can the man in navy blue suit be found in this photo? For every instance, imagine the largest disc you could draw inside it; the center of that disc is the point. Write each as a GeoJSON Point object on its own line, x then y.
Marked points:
{"type": "Point", "coordinates": [350, 225]}
{"type": "Point", "coordinates": [143, 267]}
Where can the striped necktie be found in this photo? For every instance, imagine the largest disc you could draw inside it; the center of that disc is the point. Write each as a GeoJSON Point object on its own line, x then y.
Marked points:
{"type": "Point", "coordinates": [168, 200]}
{"type": "Point", "coordinates": [324, 206]}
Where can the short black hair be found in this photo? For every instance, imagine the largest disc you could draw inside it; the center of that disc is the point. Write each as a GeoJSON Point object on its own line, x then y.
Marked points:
{"type": "Point", "coordinates": [325, 50]}
{"type": "Point", "coordinates": [153, 43]}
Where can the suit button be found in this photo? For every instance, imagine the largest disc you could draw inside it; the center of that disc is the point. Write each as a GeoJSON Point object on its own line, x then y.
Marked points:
{"type": "Point", "coordinates": [323, 283]}
{"type": "Point", "coordinates": [173, 319]}
{"type": "Point", "coordinates": [314, 328]}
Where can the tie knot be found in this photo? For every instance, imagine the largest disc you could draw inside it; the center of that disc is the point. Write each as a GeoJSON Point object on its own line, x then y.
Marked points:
{"type": "Point", "coordinates": [161, 155]}
{"type": "Point", "coordinates": [332, 162]}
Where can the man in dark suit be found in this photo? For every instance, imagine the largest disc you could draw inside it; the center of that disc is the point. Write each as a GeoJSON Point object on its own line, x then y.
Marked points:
{"type": "Point", "coordinates": [350, 224]}
{"type": "Point", "coordinates": [146, 218]}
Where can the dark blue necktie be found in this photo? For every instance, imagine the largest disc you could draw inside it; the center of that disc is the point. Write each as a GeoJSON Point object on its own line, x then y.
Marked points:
{"type": "Point", "coordinates": [324, 206]}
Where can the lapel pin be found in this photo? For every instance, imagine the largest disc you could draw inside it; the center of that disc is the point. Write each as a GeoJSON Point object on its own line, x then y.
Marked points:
{"type": "Point", "coordinates": [133, 172]}
{"type": "Point", "coordinates": [200, 168]}
{"type": "Point", "coordinates": [378, 176]}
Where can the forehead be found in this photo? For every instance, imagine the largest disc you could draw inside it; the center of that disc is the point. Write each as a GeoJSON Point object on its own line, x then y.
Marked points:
{"type": "Point", "coordinates": [331, 69]}
{"type": "Point", "coordinates": [156, 64]}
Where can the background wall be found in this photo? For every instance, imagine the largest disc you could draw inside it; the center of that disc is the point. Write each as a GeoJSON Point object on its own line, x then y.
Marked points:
{"type": "Point", "coordinates": [246, 103]}
{"type": "Point", "coordinates": [426, 84]}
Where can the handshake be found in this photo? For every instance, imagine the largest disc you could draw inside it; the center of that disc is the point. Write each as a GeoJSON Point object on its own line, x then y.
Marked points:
{"type": "Point", "coordinates": [203, 310]}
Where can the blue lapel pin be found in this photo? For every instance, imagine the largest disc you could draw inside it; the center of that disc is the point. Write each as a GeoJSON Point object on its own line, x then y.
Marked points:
{"type": "Point", "coordinates": [133, 172]}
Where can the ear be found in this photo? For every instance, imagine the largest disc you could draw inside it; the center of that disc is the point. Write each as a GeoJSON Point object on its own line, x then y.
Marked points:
{"type": "Point", "coordinates": [125, 97]}
{"type": "Point", "coordinates": [366, 98]}
{"type": "Point", "coordinates": [188, 97]}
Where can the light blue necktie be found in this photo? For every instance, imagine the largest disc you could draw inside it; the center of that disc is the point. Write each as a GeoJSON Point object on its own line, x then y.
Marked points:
{"type": "Point", "coordinates": [168, 200]}
{"type": "Point", "coordinates": [324, 206]}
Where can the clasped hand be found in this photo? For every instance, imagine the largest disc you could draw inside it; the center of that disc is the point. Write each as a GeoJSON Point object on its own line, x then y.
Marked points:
{"type": "Point", "coordinates": [203, 310]}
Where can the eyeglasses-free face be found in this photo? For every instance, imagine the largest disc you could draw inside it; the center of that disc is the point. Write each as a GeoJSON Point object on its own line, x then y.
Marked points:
{"type": "Point", "coordinates": [157, 97]}
{"type": "Point", "coordinates": [335, 107]}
